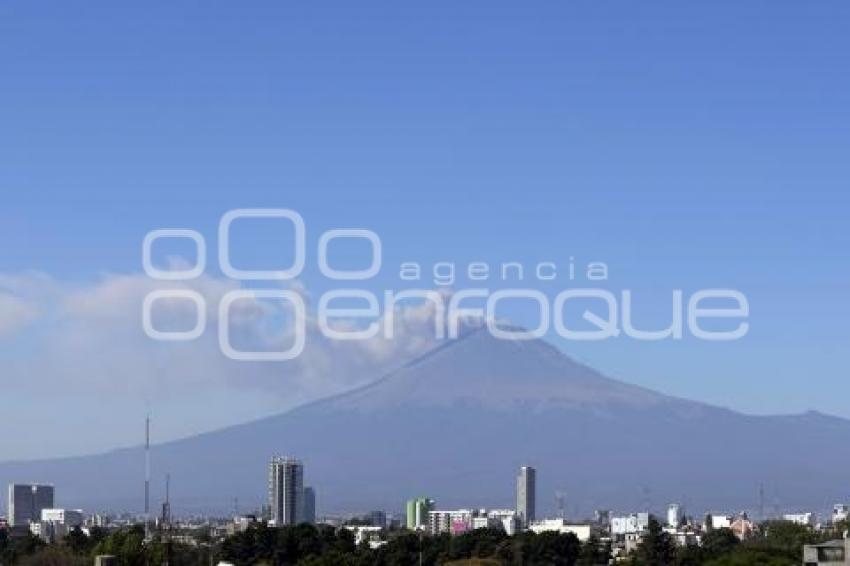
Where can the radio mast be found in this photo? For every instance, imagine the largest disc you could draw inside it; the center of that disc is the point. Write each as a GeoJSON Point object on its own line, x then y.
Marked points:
{"type": "Point", "coordinates": [147, 474]}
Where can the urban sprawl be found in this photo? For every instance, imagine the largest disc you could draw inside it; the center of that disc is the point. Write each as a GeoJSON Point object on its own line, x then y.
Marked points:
{"type": "Point", "coordinates": [632, 538]}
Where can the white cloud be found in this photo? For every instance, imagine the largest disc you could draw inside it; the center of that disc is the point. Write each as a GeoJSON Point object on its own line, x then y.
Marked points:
{"type": "Point", "coordinates": [15, 314]}
{"type": "Point", "coordinates": [89, 338]}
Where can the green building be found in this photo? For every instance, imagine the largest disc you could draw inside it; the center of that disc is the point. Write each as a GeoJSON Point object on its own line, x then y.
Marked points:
{"type": "Point", "coordinates": [417, 512]}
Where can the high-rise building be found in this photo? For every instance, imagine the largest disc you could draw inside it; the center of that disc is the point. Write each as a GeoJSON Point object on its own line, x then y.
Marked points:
{"type": "Point", "coordinates": [674, 515]}
{"type": "Point", "coordinates": [526, 482]}
{"type": "Point", "coordinates": [309, 505]}
{"type": "Point", "coordinates": [417, 512]}
{"type": "Point", "coordinates": [26, 501]}
{"type": "Point", "coordinates": [286, 491]}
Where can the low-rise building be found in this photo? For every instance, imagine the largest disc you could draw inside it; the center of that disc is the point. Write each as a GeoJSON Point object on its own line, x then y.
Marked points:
{"type": "Point", "coordinates": [805, 519]}
{"type": "Point", "coordinates": [632, 541]}
{"type": "Point", "coordinates": [68, 517]}
{"type": "Point", "coordinates": [452, 522]}
{"type": "Point", "coordinates": [683, 536]}
{"type": "Point", "coordinates": [719, 521]}
{"type": "Point", "coordinates": [509, 519]}
{"type": "Point", "coordinates": [634, 523]}
{"type": "Point", "coordinates": [240, 524]}
{"type": "Point", "coordinates": [463, 520]}
{"type": "Point", "coordinates": [366, 533]}
{"type": "Point", "coordinates": [830, 553]}
{"type": "Point", "coordinates": [55, 524]}
{"type": "Point", "coordinates": [582, 531]}
{"type": "Point", "coordinates": [377, 518]}
{"type": "Point", "coordinates": [486, 522]}
{"type": "Point", "coordinates": [742, 526]}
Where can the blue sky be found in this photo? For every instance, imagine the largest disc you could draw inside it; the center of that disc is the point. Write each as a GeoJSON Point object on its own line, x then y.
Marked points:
{"type": "Point", "coordinates": [687, 146]}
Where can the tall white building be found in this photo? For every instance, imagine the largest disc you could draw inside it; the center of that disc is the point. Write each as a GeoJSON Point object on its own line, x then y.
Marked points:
{"type": "Point", "coordinates": [26, 501]}
{"type": "Point", "coordinates": [526, 486]}
{"type": "Point", "coordinates": [286, 491]}
{"type": "Point", "coordinates": [674, 515]}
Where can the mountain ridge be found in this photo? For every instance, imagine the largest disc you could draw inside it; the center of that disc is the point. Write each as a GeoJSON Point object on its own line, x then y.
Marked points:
{"type": "Point", "coordinates": [458, 421]}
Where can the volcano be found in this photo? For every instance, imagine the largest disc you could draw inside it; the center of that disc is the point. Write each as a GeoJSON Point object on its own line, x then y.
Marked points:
{"type": "Point", "coordinates": [457, 423]}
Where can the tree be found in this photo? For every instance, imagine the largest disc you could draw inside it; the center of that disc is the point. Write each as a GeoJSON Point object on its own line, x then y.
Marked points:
{"type": "Point", "coordinates": [594, 552]}
{"type": "Point", "coordinates": [657, 547]}
{"type": "Point", "coordinates": [12, 550]}
{"type": "Point", "coordinates": [4, 544]}
{"type": "Point", "coordinates": [479, 543]}
{"type": "Point", "coordinates": [551, 548]}
{"type": "Point", "coordinates": [54, 555]}
{"type": "Point", "coordinates": [785, 537]}
{"type": "Point", "coordinates": [719, 542]}
{"type": "Point", "coordinates": [744, 555]}
{"type": "Point", "coordinates": [127, 545]}
{"type": "Point", "coordinates": [690, 555]}
{"type": "Point", "coordinates": [77, 541]}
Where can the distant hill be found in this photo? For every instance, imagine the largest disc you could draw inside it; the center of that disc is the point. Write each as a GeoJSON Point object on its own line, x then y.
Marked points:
{"type": "Point", "coordinates": [455, 425]}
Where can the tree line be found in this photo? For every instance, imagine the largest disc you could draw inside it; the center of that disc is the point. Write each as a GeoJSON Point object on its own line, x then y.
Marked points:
{"type": "Point", "coordinates": [776, 543]}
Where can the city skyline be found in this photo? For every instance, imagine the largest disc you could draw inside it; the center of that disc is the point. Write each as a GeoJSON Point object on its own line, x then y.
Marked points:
{"type": "Point", "coordinates": [291, 503]}
{"type": "Point", "coordinates": [439, 283]}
